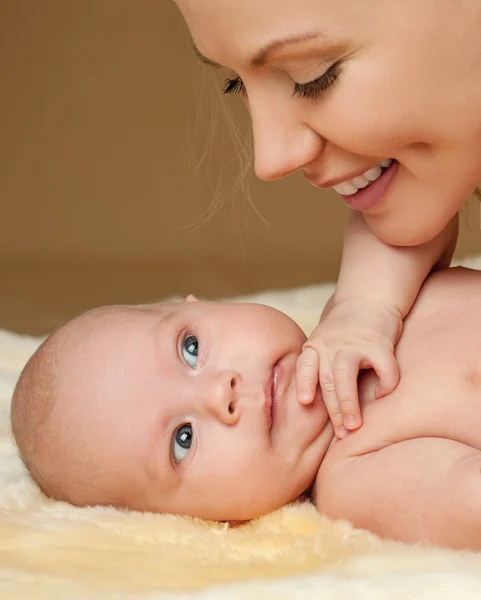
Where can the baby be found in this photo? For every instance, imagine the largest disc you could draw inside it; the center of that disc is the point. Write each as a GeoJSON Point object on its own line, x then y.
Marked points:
{"type": "Point", "coordinates": [191, 408]}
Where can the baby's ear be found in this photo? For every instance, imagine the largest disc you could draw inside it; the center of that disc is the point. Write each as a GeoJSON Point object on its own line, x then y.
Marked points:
{"type": "Point", "coordinates": [191, 298]}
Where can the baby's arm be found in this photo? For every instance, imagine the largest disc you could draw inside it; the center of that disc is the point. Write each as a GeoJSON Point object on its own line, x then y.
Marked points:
{"type": "Point", "coordinates": [374, 272]}
{"type": "Point", "coordinates": [419, 490]}
{"type": "Point", "coordinates": [359, 328]}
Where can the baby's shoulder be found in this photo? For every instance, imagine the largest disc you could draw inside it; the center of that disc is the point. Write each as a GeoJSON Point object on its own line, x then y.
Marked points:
{"type": "Point", "coordinates": [395, 491]}
{"type": "Point", "coordinates": [449, 289]}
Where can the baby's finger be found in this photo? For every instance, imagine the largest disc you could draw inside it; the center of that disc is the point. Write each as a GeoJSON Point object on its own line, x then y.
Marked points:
{"type": "Point", "coordinates": [329, 397]}
{"type": "Point", "coordinates": [386, 368]}
{"type": "Point", "coordinates": [307, 375]}
{"type": "Point", "coordinates": [345, 371]}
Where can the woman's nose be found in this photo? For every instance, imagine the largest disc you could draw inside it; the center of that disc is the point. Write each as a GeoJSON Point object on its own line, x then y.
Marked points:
{"type": "Point", "coordinates": [222, 397]}
{"type": "Point", "coordinates": [283, 143]}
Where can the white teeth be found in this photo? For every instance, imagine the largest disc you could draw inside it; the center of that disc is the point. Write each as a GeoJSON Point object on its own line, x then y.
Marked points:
{"type": "Point", "coordinates": [348, 188]}
{"type": "Point", "coordinates": [361, 181]}
{"type": "Point", "coordinates": [373, 173]}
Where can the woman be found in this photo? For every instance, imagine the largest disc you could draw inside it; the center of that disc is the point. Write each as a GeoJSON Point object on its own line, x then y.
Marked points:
{"type": "Point", "coordinates": [381, 100]}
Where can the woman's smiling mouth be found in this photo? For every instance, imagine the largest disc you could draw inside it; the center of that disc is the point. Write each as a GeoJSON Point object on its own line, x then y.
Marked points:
{"type": "Point", "coordinates": [369, 197]}
{"type": "Point", "coordinates": [365, 191]}
{"type": "Point", "coordinates": [366, 179]}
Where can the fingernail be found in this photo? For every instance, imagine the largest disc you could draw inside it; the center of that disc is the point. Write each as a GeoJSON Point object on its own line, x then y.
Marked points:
{"type": "Point", "coordinates": [304, 396]}
{"type": "Point", "coordinates": [342, 432]}
{"type": "Point", "coordinates": [350, 421]}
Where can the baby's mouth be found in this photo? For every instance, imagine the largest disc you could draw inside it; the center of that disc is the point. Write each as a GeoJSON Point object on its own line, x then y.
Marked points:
{"type": "Point", "coordinates": [268, 402]}
{"type": "Point", "coordinates": [270, 398]}
{"type": "Point", "coordinates": [276, 389]}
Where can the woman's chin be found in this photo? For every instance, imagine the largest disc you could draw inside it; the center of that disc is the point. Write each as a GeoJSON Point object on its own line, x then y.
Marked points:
{"type": "Point", "coordinates": [391, 230]}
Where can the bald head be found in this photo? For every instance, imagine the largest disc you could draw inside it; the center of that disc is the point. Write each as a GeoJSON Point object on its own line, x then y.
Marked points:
{"type": "Point", "coordinates": [33, 401]}
{"type": "Point", "coordinates": [47, 413]}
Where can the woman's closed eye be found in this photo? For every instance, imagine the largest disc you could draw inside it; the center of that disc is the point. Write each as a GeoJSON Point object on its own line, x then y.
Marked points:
{"type": "Point", "coordinates": [312, 89]}
{"type": "Point", "coordinates": [190, 350]}
{"type": "Point", "coordinates": [181, 442]}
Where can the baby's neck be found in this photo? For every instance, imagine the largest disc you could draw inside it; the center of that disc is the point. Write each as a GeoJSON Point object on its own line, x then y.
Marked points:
{"type": "Point", "coordinates": [328, 439]}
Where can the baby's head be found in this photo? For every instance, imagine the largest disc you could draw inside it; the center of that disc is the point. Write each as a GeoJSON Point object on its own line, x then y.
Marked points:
{"type": "Point", "coordinates": [188, 408]}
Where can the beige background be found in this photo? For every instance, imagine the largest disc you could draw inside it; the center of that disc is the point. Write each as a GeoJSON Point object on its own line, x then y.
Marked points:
{"type": "Point", "coordinates": [114, 145]}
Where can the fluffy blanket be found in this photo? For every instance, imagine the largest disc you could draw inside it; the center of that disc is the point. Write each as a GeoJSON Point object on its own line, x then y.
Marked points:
{"type": "Point", "coordinates": [52, 550]}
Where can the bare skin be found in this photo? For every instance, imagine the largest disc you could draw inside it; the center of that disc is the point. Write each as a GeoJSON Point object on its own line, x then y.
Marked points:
{"type": "Point", "coordinates": [413, 472]}
{"type": "Point", "coordinates": [335, 89]}
{"type": "Point", "coordinates": [191, 408]}
{"type": "Point", "coordinates": [398, 80]}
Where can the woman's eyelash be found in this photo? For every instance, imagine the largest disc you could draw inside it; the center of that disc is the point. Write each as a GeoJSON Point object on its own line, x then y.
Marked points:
{"type": "Point", "coordinates": [233, 86]}
{"type": "Point", "coordinates": [312, 89]}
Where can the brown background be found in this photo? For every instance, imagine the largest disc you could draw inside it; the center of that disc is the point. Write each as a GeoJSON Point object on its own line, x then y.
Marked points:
{"type": "Point", "coordinates": [114, 144]}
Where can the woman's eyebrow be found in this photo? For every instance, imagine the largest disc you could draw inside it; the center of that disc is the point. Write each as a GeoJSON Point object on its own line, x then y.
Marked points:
{"type": "Point", "coordinates": [204, 59]}
{"type": "Point", "coordinates": [260, 58]}
{"type": "Point", "coordinates": [264, 53]}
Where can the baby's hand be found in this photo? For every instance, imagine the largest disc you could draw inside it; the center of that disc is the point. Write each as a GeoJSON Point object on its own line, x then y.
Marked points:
{"type": "Point", "coordinates": [354, 335]}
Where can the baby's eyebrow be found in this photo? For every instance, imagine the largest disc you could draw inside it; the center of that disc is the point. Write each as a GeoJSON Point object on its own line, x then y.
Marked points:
{"type": "Point", "coordinates": [159, 328]}
{"type": "Point", "coordinates": [157, 462]}
{"type": "Point", "coordinates": [157, 465]}
{"type": "Point", "coordinates": [168, 316]}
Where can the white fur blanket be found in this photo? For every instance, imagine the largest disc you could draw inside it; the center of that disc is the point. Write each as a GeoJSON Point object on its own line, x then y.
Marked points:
{"type": "Point", "coordinates": [52, 550]}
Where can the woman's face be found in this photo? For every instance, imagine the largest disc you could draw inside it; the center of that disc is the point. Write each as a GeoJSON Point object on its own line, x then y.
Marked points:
{"type": "Point", "coordinates": [385, 80]}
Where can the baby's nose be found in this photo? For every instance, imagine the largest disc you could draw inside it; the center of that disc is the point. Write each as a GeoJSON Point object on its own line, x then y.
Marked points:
{"type": "Point", "coordinates": [222, 397]}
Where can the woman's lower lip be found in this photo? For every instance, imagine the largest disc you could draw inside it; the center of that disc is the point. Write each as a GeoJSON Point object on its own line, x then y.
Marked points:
{"type": "Point", "coordinates": [371, 196]}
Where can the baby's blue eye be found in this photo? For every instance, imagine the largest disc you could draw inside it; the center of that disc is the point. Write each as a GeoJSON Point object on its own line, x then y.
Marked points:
{"type": "Point", "coordinates": [182, 442]}
{"type": "Point", "coordinates": [190, 349]}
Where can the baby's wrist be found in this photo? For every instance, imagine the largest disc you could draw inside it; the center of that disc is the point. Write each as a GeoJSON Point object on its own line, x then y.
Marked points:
{"type": "Point", "coordinates": [385, 317]}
